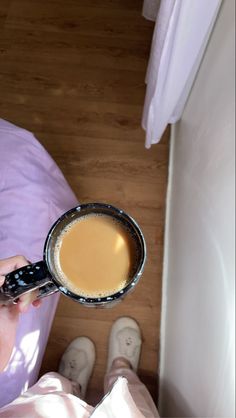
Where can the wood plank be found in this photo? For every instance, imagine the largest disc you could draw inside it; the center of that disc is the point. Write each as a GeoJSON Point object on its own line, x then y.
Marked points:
{"type": "Point", "coordinates": [134, 5]}
{"type": "Point", "coordinates": [81, 51]}
{"type": "Point", "coordinates": [56, 114]}
{"type": "Point", "coordinates": [78, 18]}
{"type": "Point", "coordinates": [74, 82]}
{"type": "Point", "coordinates": [132, 161]}
{"type": "Point", "coordinates": [4, 7]}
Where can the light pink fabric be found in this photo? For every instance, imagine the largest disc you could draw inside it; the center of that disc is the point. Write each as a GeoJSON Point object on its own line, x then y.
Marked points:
{"type": "Point", "coordinates": [137, 390]}
{"type": "Point", "coordinates": [33, 194]}
{"type": "Point", "coordinates": [52, 396]}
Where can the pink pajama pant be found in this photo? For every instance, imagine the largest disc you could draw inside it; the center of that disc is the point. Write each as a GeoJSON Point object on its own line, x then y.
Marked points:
{"type": "Point", "coordinates": [55, 396]}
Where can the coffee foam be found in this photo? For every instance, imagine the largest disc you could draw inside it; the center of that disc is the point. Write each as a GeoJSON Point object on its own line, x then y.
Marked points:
{"type": "Point", "coordinates": [66, 281]}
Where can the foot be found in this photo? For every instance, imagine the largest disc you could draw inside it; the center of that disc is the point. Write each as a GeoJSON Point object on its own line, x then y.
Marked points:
{"type": "Point", "coordinates": [78, 361]}
{"type": "Point", "coordinates": [125, 342]}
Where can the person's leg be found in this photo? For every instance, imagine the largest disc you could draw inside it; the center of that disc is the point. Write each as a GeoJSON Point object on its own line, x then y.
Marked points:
{"type": "Point", "coordinates": [54, 382]}
{"type": "Point", "coordinates": [59, 394]}
{"type": "Point", "coordinates": [123, 358]}
{"type": "Point", "coordinates": [52, 395]}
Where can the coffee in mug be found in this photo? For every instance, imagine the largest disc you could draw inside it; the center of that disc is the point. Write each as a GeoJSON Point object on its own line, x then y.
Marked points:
{"type": "Point", "coordinates": [95, 256]}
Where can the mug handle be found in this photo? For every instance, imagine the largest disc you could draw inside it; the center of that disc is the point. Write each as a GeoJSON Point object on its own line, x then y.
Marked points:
{"type": "Point", "coordinates": [26, 279]}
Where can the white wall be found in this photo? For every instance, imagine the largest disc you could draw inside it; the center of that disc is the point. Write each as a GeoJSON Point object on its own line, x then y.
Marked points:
{"type": "Point", "coordinates": [197, 336]}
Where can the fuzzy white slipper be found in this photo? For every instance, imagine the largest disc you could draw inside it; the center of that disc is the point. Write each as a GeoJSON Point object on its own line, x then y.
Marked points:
{"type": "Point", "coordinates": [125, 341]}
{"type": "Point", "coordinates": [78, 361]}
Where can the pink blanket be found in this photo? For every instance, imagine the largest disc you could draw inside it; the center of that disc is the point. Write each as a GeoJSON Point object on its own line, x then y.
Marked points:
{"type": "Point", "coordinates": [33, 194]}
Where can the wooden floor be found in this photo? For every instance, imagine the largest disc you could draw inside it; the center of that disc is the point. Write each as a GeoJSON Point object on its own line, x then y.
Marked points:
{"type": "Point", "coordinates": [73, 73]}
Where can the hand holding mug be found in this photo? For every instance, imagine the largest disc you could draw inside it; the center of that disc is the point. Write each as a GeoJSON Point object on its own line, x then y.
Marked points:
{"type": "Point", "coordinates": [9, 315]}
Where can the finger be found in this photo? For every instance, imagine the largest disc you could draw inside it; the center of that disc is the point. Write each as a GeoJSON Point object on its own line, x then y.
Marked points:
{"type": "Point", "coordinates": [12, 263]}
{"type": "Point", "coordinates": [26, 300]}
{"type": "Point", "coordinates": [37, 303]}
{"type": "Point", "coordinates": [2, 278]}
